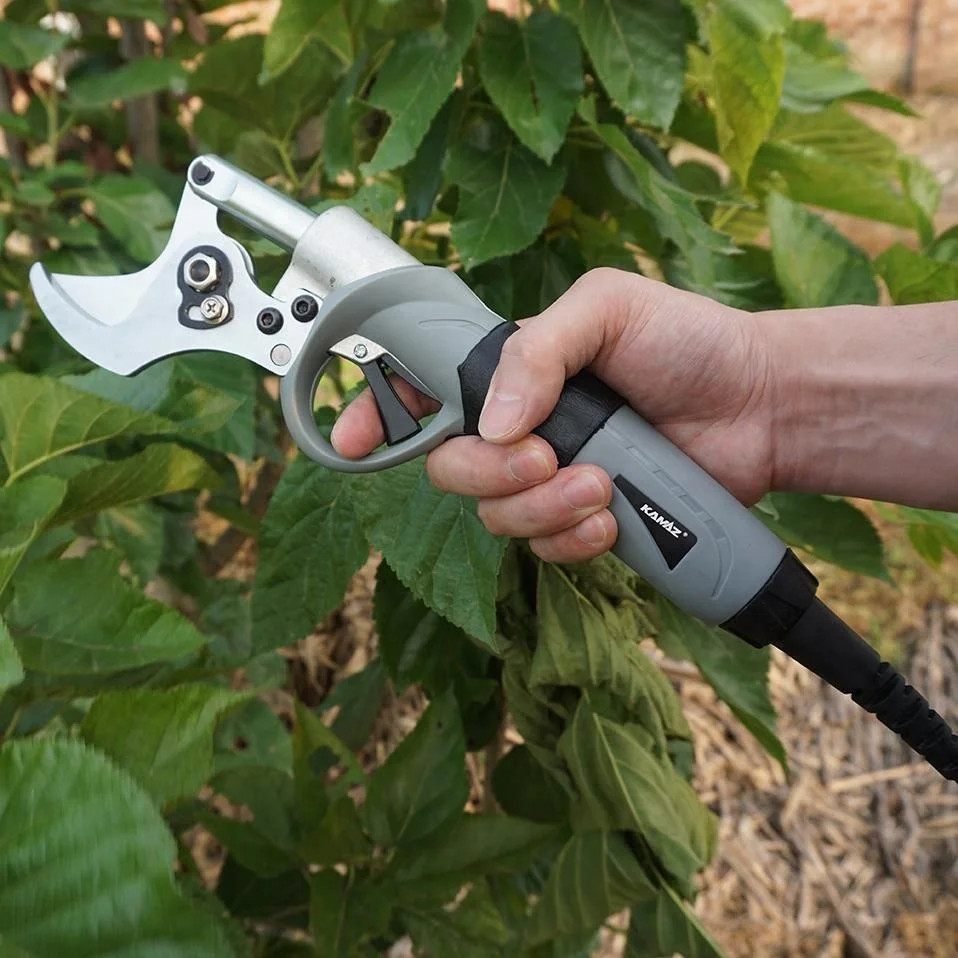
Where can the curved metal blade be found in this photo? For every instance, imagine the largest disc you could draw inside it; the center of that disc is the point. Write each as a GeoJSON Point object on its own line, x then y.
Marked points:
{"type": "Point", "coordinates": [93, 314]}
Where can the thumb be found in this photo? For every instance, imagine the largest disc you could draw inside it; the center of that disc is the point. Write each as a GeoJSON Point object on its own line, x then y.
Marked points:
{"type": "Point", "coordinates": [548, 349]}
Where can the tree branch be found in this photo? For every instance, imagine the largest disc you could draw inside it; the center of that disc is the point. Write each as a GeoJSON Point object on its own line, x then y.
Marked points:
{"type": "Point", "coordinates": [142, 115]}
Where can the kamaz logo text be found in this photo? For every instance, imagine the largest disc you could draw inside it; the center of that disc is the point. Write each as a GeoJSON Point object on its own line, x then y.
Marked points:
{"type": "Point", "coordinates": [669, 525]}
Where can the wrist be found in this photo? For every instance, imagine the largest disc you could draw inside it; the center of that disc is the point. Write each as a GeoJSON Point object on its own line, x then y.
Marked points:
{"type": "Point", "coordinates": [863, 401]}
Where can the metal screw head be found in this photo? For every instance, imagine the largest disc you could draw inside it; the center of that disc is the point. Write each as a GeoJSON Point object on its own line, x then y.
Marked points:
{"type": "Point", "coordinates": [305, 308]}
{"type": "Point", "coordinates": [201, 272]}
{"type": "Point", "coordinates": [214, 309]}
{"type": "Point", "coordinates": [360, 351]}
{"type": "Point", "coordinates": [269, 321]}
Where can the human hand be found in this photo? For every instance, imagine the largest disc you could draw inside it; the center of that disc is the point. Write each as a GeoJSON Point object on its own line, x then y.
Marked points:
{"type": "Point", "coordinates": [695, 369]}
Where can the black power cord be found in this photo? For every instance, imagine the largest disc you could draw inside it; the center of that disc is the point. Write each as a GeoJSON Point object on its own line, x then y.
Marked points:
{"type": "Point", "coordinates": [823, 643]}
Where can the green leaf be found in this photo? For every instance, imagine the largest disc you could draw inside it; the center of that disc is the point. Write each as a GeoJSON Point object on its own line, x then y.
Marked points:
{"type": "Point", "coordinates": [532, 71]}
{"type": "Point", "coordinates": [134, 212]}
{"type": "Point", "coordinates": [585, 642]}
{"type": "Point", "coordinates": [674, 209]}
{"type": "Point", "coordinates": [265, 840]}
{"type": "Point", "coordinates": [831, 529]}
{"type": "Point", "coordinates": [415, 80]}
{"type": "Point", "coordinates": [415, 643]}
{"type": "Point", "coordinates": [228, 86]}
{"type": "Point", "coordinates": [79, 616]}
{"type": "Point", "coordinates": [208, 395]}
{"type": "Point", "coordinates": [159, 469]}
{"type": "Point", "coordinates": [435, 544]}
{"type": "Point", "coordinates": [638, 51]}
{"type": "Point", "coordinates": [816, 72]}
{"type": "Point", "coordinates": [623, 785]}
{"type": "Point", "coordinates": [344, 912]}
{"type": "Point", "coordinates": [11, 671]}
{"type": "Point", "coordinates": [25, 510]}
{"type": "Point", "coordinates": [595, 875]}
{"type": "Point", "coordinates": [80, 837]}
{"type": "Point", "coordinates": [310, 546]}
{"type": "Point", "coordinates": [359, 700]}
{"type": "Point", "coordinates": [171, 751]}
{"type": "Point", "coordinates": [815, 264]}
{"type": "Point", "coordinates": [542, 273]}
{"type": "Point", "coordinates": [10, 321]}
{"type": "Point", "coordinates": [42, 418]}
{"type": "Point", "coordinates": [339, 140]}
{"type": "Point", "coordinates": [138, 532]}
{"type": "Point", "coordinates": [505, 197]}
{"type": "Point", "coordinates": [811, 154]}
{"type": "Point", "coordinates": [737, 671]}
{"type": "Point", "coordinates": [923, 194]}
{"type": "Point", "coordinates": [139, 78]}
{"type": "Point", "coordinates": [422, 786]}
{"type": "Point", "coordinates": [912, 277]}
{"type": "Point", "coordinates": [22, 47]}
{"type": "Point", "coordinates": [422, 176]}
{"type": "Point", "coordinates": [315, 748]}
{"type": "Point", "coordinates": [247, 895]}
{"type": "Point", "coordinates": [664, 926]}
{"type": "Point", "coordinates": [296, 24]}
{"type": "Point", "coordinates": [338, 838]}
{"type": "Point", "coordinates": [764, 17]}
{"type": "Point", "coordinates": [524, 788]}
{"type": "Point", "coordinates": [474, 927]}
{"type": "Point", "coordinates": [747, 74]}
{"type": "Point", "coordinates": [476, 845]}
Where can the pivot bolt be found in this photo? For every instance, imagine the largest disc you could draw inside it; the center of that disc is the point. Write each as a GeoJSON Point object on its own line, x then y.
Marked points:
{"type": "Point", "coordinates": [202, 174]}
{"type": "Point", "coordinates": [305, 308]}
{"type": "Point", "coordinates": [360, 351]}
{"type": "Point", "coordinates": [269, 321]}
{"type": "Point", "coordinates": [201, 272]}
{"type": "Point", "coordinates": [214, 309]}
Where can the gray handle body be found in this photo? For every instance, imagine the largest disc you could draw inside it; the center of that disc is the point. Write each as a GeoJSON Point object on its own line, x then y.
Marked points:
{"type": "Point", "coordinates": [678, 527]}
{"type": "Point", "coordinates": [733, 554]}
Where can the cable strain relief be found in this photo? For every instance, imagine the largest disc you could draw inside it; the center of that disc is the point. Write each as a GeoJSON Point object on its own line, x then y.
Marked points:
{"type": "Point", "coordinates": [823, 643]}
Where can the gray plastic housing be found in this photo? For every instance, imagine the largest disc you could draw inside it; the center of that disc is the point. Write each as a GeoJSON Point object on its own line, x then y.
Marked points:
{"type": "Point", "coordinates": [734, 554]}
{"type": "Point", "coordinates": [429, 320]}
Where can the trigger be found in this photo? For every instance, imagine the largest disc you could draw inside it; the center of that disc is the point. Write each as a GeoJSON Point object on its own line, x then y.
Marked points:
{"type": "Point", "coordinates": [398, 422]}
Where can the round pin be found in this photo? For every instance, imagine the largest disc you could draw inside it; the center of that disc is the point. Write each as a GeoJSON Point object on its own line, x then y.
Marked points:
{"type": "Point", "coordinates": [280, 354]}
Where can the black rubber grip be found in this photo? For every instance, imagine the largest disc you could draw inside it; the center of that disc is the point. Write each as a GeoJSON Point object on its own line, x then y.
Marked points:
{"type": "Point", "coordinates": [583, 407]}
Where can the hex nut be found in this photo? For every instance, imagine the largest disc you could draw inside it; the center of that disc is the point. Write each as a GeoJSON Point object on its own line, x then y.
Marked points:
{"type": "Point", "coordinates": [201, 272]}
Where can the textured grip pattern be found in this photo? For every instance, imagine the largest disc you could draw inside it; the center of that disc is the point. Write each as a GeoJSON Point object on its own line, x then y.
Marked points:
{"type": "Point", "coordinates": [584, 406]}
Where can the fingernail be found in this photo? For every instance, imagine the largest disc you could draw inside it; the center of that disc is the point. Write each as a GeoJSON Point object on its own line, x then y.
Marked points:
{"type": "Point", "coordinates": [529, 465]}
{"type": "Point", "coordinates": [501, 413]}
{"type": "Point", "coordinates": [583, 491]}
{"type": "Point", "coordinates": [591, 531]}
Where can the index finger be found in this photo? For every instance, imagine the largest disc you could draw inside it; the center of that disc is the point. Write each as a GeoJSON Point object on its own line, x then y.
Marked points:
{"type": "Point", "coordinates": [359, 430]}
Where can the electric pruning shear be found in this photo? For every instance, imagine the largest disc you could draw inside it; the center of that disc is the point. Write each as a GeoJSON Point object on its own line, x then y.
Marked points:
{"type": "Point", "coordinates": [351, 292]}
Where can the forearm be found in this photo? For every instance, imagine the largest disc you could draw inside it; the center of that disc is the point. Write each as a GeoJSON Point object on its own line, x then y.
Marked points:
{"type": "Point", "coordinates": [864, 402]}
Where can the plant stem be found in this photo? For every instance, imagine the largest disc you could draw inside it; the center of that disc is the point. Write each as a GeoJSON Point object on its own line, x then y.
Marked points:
{"type": "Point", "coordinates": [16, 151]}
{"type": "Point", "coordinates": [142, 114]}
{"type": "Point", "coordinates": [288, 167]}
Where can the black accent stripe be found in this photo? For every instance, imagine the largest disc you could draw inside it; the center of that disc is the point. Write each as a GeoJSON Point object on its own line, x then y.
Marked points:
{"type": "Point", "coordinates": [584, 406]}
{"type": "Point", "coordinates": [673, 539]}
